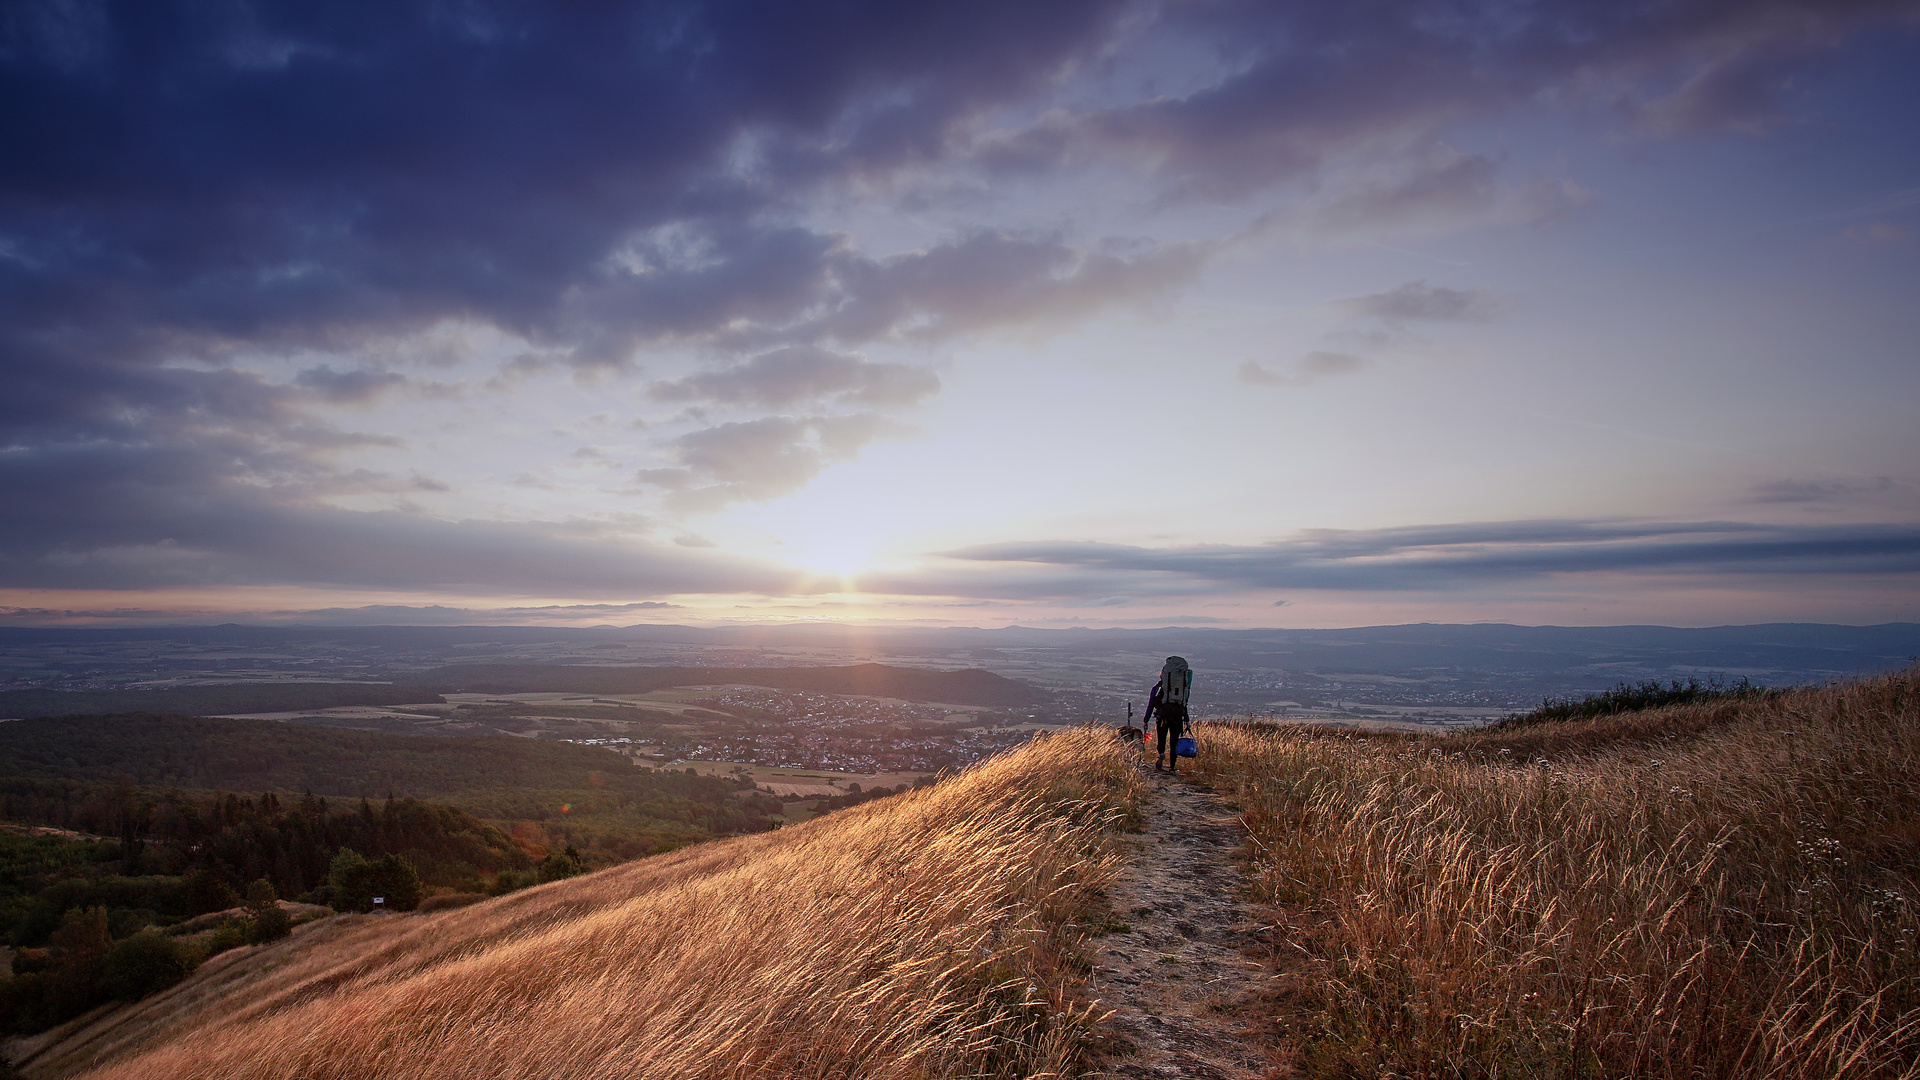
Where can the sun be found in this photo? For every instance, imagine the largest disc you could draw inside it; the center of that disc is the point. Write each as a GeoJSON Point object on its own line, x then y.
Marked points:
{"type": "Point", "coordinates": [832, 535]}
{"type": "Point", "coordinates": [835, 554]}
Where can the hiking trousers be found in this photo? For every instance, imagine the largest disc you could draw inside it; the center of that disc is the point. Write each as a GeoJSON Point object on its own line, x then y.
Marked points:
{"type": "Point", "coordinates": [1170, 730]}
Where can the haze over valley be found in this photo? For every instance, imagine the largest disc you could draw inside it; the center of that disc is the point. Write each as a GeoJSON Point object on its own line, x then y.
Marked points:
{"type": "Point", "coordinates": [744, 695]}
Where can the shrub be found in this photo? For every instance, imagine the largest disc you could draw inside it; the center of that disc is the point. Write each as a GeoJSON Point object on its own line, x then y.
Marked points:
{"type": "Point", "coordinates": [348, 887]}
{"type": "Point", "coordinates": [513, 881]}
{"type": "Point", "coordinates": [1631, 697]}
{"type": "Point", "coordinates": [145, 963]}
{"type": "Point", "coordinates": [271, 923]}
{"type": "Point", "coordinates": [230, 935]}
{"type": "Point", "coordinates": [564, 864]}
{"type": "Point", "coordinates": [449, 901]}
{"type": "Point", "coordinates": [207, 889]}
{"type": "Point", "coordinates": [23, 1002]}
{"type": "Point", "coordinates": [393, 878]}
{"type": "Point", "coordinates": [75, 986]}
{"type": "Point", "coordinates": [32, 961]}
{"type": "Point", "coordinates": [125, 922]}
{"type": "Point", "coordinates": [353, 882]}
{"type": "Point", "coordinates": [83, 932]}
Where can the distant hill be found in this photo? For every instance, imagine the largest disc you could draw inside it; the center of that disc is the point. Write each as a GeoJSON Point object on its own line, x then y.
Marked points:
{"type": "Point", "coordinates": [493, 776]}
{"type": "Point", "coordinates": [969, 687]}
{"type": "Point", "coordinates": [209, 700]}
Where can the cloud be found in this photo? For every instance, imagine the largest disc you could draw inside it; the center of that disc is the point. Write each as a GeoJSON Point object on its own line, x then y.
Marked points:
{"type": "Point", "coordinates": [443, 615]}
{"type": "Point", "coordinates": [284, 183]}
{"type": "Point", "coordinates": [366, 615]}
{"type": "Point", "coordinates": [592, 178]}
{"type": "Point", "coordinates": [1416, 301]}
{"type": "Point", "coordinates": [342, 387]}
{"type": "Point", "coordinates": [803, 374]}
{"type": "Point", "coordinates": [1813, 491]}
{"type": "Point", "coordinates": [587, 181]}
{"type": "Point", "coordinates": [991, 279]}
{"type": "Point", "coordinates": [98, 517]}
{"type": "Point", "coordinates": [1877, 234]}
{"type": "Point", "coordinates": [1439, 557]}
{"type": "Point", "coordinates": [1310, 369]}
{"type": "Point", "coordinates": [1436, 189]}
{"type": "Point", "coordinates": [757, 460]}
{"type": "Point", "coordinates": [1303, 88]}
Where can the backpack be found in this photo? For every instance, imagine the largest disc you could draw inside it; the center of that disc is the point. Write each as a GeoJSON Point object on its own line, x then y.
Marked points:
{"type": "Point", "coordinates": [1176, 681]}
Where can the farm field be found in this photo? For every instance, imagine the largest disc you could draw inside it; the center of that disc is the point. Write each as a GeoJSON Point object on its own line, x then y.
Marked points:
{"type": "Point", "coordinates": [802, 781]}
{"type": "Point", "coordinates": [757, 726]}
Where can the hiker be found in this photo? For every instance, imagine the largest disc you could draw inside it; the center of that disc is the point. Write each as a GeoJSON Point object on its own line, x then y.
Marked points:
{"type": "Point", "coordinates": [1168, 704]}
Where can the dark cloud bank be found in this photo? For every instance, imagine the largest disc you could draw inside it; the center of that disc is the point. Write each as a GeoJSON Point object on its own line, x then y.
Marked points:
{"type": "Point", "coordinates": [185, 184]}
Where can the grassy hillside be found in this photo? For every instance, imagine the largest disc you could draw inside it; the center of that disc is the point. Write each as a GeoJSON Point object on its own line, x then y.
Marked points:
{"type": "Point", "coordinates": [82, 912]}
{"type": "Point", "coordinates": [970, 687]}
{"type": "Point", "coordinates": [1729, 888]}
{"type": "Point", "coordinates": [927, 935]}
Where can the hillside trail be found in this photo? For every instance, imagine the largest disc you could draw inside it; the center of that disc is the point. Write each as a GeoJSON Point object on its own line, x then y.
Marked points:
{"type": "Point", "coordinates": [1182, 969]}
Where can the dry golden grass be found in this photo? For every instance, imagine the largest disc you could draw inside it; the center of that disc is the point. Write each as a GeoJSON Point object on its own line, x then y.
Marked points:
{"type": "Point", "coordinates": [1718, 890]}
{"type": "Point", "coordinates": [928, 935]}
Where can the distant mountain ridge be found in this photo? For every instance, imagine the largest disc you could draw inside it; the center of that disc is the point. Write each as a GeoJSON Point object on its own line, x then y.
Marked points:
{"type": "Point", "coordinates": [1798, 647]}
{"type": "Point", "coordinates": [971, 686]}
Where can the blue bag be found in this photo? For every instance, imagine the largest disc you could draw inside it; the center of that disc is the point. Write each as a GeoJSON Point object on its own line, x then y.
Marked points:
{"type": "Point", "coordinates": [1186, 748]}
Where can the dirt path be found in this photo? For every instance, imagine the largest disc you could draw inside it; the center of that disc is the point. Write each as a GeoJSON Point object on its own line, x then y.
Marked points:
{"type": "Point", "coordinates": [1186, 960]}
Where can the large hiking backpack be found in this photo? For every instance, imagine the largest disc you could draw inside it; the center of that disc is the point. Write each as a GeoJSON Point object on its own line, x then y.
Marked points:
{"type": "Point", "coordinates": [1176, 681]}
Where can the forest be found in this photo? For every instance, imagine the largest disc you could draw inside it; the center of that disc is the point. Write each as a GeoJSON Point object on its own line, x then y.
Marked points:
{"type": "Point", "coordinates": [142, 843]}
{"type": "Point", "coordinates": [211, 700]}
{"type": "Point", "coordinates": [180, 876]}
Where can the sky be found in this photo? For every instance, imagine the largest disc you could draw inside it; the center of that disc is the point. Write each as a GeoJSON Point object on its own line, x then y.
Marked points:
{"type": "Point", "coordinates": [1081, 313]}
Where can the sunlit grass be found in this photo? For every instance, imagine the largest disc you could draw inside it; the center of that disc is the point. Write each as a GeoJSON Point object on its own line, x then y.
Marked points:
{"type": "Point", "coordinates": [1723, 889]}
{"type": "Point", "coordinates": [928, 935]}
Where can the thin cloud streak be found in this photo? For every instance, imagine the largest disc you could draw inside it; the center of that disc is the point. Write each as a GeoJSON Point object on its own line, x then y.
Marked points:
{"type": "Point", "coordinates": [1472, 555]}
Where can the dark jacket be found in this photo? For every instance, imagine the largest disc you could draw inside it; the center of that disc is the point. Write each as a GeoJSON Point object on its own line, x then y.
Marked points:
{"type": "Point", "coordinates": [1173, 716]}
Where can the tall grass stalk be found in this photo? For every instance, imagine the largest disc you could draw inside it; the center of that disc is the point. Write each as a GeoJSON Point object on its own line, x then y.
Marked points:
{"type": "Point", "coordinates": [1724, 889]}
{"type": "Point", "coordinates": [927, 935]}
